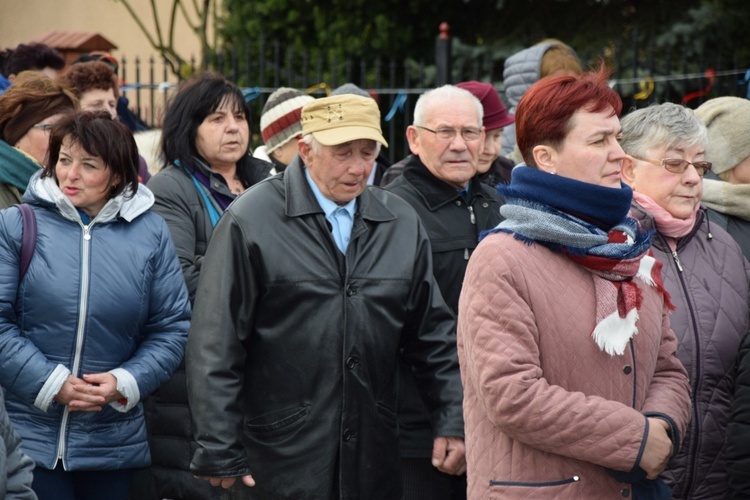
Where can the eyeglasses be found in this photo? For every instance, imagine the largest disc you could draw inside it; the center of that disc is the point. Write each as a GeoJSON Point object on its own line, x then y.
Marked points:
{"type": "Point", "coordinates": [448, 134]}
{"type": "Point", "coordinates": [44, 127]}
{"type": "Point", "coordinates": [678, 166]}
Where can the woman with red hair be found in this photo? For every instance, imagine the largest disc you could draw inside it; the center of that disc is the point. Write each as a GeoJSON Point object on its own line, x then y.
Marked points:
{"type": "Point", "coordinates": [571, 384]}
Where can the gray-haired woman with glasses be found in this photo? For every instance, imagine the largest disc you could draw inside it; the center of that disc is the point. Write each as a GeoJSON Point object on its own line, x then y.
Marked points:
{"type": "Point", "coordinates": [704, 271]}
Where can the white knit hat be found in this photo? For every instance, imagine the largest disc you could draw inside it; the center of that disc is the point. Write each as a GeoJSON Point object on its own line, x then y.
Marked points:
{"type": "Point", "coordinates": [728, 123]}
{"type": "Point", "coordinates": [280, 118]}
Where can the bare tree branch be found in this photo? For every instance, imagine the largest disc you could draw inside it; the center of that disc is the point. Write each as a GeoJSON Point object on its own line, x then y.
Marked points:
{"type": "Point", "coordinates": [166, 48]}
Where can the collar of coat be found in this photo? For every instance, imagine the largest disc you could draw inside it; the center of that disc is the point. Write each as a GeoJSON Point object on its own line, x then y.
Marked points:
{"type": "Point", "coordinates": [251, 171]}
{"type": "Point", "coordinates": [300, 199]}
{"type": "Point", "coordinates": [433, 191]}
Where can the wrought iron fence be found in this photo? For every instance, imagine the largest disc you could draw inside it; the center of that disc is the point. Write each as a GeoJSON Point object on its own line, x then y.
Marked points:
{"type": "Point", "coordinates": [643, 72]}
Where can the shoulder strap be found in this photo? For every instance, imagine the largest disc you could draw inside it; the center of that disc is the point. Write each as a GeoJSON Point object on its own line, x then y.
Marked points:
{"type": "Point", "coordinates": [28, 240]}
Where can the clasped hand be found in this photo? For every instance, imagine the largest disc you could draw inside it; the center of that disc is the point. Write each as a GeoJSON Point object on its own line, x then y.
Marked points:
{"type": "Point", "coordinates": [89, 393]}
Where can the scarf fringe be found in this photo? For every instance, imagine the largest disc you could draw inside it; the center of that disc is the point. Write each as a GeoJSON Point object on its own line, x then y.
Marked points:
{"type": "Point", "coordinates": [613, 333]}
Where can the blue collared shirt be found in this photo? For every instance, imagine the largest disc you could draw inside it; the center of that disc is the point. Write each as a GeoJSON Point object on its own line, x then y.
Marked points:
{"type": "Point", "coordinates": [340, 217]}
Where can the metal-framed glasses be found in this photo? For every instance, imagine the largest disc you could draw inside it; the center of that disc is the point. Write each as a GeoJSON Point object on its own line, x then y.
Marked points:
{"type": "Point", "coordinates": [678, 165]}
{"type": "Point", "coordinates": [448, 134]}
{"type": "Point", "coordinates": [44, 127]}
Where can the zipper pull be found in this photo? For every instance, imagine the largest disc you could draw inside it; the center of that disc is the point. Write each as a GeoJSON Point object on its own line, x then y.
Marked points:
{"type": "Point", "coordinates": [86, 234]}
{"type": "Point", "coordinates": [471, 213]}
{"type": "Point", "coordinates": [466, 254]}
{"type": "Point", "coordinates": [677, 260]}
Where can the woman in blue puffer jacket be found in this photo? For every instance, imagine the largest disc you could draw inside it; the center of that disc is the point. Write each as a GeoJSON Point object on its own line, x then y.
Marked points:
{"type": "Point", "coordinates": [99, 319]}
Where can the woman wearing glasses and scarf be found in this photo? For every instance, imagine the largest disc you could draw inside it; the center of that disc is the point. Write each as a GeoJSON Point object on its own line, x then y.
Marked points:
{"type": "Point", "coordinates": [705, 274]}
{"type": "Point", "coordinates": [571, 384]}
{"type": "Point", "coordinates": [28, 109]}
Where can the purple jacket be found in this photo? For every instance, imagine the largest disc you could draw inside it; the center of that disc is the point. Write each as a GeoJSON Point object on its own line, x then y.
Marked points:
{"type": "Point", "coordinates": [707, 278]}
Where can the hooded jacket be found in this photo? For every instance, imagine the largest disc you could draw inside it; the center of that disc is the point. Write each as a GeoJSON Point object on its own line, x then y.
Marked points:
{"type": "Point", "coordinates": [293, 349]}
{"type": "Point", "coordinates": [707, 278]}
{"type": "Point", "coordinates": [107, 296]}
{"type": "Point", "coordinates": [521, 71]}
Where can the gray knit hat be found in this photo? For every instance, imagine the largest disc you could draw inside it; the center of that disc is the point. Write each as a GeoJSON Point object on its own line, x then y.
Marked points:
{"type": "Point", "coordinates": [728, 123]}
{"type": "Point", "coordinates": [280, 118]}
{"type": "Point", "coordinates": [350, 88]}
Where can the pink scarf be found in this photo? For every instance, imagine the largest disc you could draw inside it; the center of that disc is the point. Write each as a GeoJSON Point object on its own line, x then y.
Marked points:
{"type": "Point", "coordinates": [666, 223]}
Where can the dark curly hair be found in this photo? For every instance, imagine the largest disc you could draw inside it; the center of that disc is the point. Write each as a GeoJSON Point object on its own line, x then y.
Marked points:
{"type": "Point", "coordinates": [85, 76]}
{"type": "Point", "coordinates": [31, 56]}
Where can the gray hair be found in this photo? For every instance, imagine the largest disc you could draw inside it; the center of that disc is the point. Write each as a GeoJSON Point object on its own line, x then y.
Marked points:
{"type": "Point", "coordinates": [444, 96]}
{"type": "Point", "coordinates": [666, 125]}
{"type": "Point", "coordinates": [315, 145]}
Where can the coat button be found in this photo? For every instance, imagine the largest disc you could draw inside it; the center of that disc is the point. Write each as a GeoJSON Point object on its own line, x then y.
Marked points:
{"type": "Point", "coordinates": [351, 290]}
{"type": "Point", "coordinates": [485, 205]}
{"type": "Point", "coordinates": [627, 369]}
{"type": "Point", "coordinates": [349, 434]}
{"type": "Point", "coordinates": [351, 362]}
{"type": "Point", "coordinates": [458, 203]}
{"type": "Point", "coordinates": [625, 492]}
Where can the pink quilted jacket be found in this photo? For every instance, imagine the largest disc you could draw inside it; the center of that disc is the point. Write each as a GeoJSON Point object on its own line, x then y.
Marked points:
{"type": "Point", "coordinates": [546, 411]}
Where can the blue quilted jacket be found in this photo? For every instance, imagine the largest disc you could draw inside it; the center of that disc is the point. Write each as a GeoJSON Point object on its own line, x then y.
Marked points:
{"type": "Point", "coordinates": [107, 296]}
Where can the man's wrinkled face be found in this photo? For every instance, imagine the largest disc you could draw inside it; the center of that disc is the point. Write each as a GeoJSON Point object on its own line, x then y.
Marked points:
{"type": "Point", "coordinates": [340, 171]}
{"type": "Point", "coordinates": [452, 161]}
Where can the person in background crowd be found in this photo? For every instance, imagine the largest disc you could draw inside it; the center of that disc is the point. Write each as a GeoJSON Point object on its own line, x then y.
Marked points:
{"type": "Point", "coordinates": [381, 162]}
{"type": "Point", "coordinates": [205, 141]}
{"type": "Point", "coordinates": [312, 286]}
{"type": "Point", "coordinates": [547, 58]}
{"type": "Point", "coordinates": [28, 57]}
{"type": "Point", "coordinates": [439, 181]}
{"type": "Point", "coordinates": [95, 85]}
{"type": "Point", "coordinates": [726, 187]}
{"type": "Point", "coordinates": [15, 466]}
{"type": "Point", "coordinates": [27, 112]}
{"type": "Point", "coordinates": [705, 274]}
{"type": "Point", "coordinates": [492, 168]}
{"type": "Point", "coordinates": [280, 127]}
{"type": "Point", "coordinates": [126, 116]}
{"type": "Point", "coordinates": [99, 318]}
{"type": "Point", "coordinates": [571, 384]}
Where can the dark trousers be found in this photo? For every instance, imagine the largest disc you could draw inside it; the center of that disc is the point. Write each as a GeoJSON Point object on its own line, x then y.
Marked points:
{"type": "Point", "coordinates": [422, 481]}
{"type": "Point", "coordinates": [59, 484]}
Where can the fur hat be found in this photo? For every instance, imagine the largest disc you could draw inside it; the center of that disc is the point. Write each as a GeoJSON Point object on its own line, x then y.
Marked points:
{"type": "Point", "coordinates": [728, 123]}
{"type": "Point", "coordinates": [280, 118]}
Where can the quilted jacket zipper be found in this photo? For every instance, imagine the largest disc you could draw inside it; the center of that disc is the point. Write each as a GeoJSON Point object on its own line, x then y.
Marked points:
{"type": "Point", "coordinates": [82, 307]}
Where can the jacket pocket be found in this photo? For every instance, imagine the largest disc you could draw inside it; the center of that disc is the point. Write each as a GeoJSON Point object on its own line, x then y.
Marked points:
{"type": "Point", "coordinates": [388, 415]}
{"type": "Point", "coordinates": [276, 423]}
{"type": "Point", "coordinates": [536, 484]}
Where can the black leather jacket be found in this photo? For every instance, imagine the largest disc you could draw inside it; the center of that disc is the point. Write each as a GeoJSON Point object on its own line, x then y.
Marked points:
{"type": "Point", "coordinates": [453, 227]}
{"type": "Point", "coordinates": [293, 352]}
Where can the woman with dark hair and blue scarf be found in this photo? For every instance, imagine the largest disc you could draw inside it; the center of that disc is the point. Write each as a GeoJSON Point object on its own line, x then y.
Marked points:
{"type": "Point", "coordinates": [205, 143]}
{"type": "Point", "coordinates": [571, 384]}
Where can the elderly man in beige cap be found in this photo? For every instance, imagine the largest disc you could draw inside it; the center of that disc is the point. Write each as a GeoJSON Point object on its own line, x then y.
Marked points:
{"type": "Point", "coordinates": [312, 286]}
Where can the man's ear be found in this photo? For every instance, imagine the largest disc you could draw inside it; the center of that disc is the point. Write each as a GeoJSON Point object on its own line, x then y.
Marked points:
{"type": "Point", "coordinates": [545, 158]}
{"type": "Point", "coordinates": [627, 173]}
{"type": "Point", "coordinates": [305, 151]}
{"type": "Point", "coordinates": [412, 135]}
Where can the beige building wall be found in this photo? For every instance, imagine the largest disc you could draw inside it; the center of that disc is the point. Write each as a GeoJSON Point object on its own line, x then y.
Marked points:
{"type": "Point", "coordinates": [24, 20]}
